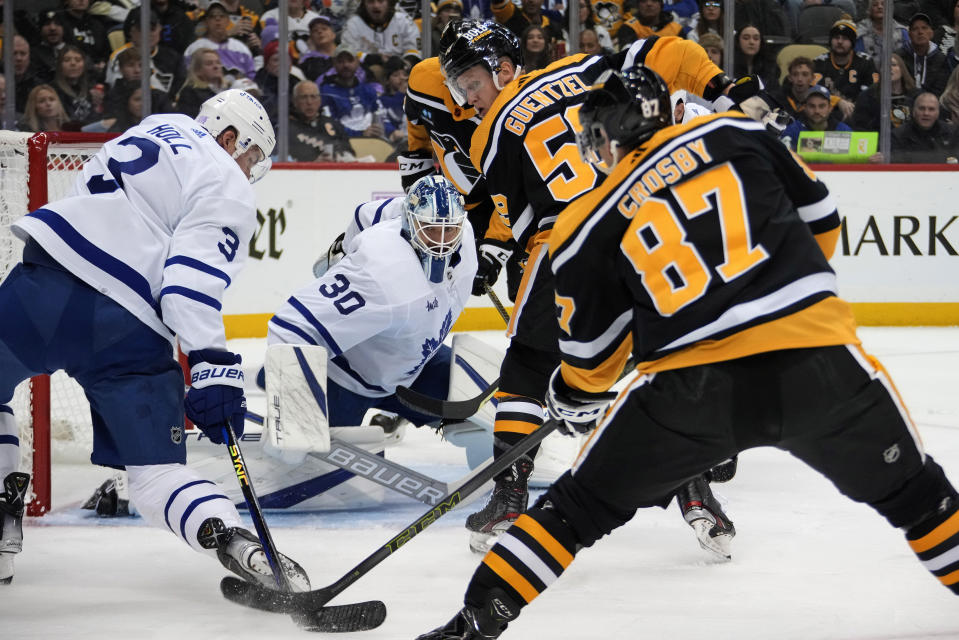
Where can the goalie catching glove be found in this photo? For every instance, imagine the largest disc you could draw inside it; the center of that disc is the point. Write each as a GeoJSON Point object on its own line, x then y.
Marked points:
{"type": "Point", "coordinates": [576, 411]}
{"type": "Point", "coordinates": [216, 393]}
{"type": "Point", "coordinates": [492, 256]}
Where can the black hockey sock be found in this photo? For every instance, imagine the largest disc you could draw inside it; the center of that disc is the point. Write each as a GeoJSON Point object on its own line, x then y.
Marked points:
{"type": "Point", "coordinates": [516, 417]}
{"type": "Point", "coordinates": [936, 541]}
{"type": "Point", "coordinates": [529, 557]}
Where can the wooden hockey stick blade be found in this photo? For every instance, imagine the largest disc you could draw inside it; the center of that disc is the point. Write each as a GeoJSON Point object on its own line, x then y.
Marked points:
{"type": "Point", "coordinates": [302, 603]}
{"type": "Point", "coordinates": [359, 616]}
{"type": "Point", "coordinates": [446, 409]}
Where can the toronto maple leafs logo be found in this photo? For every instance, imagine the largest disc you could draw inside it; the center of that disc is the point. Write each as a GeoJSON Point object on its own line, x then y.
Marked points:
{"type": "Point", "coordinates": [430, 345]}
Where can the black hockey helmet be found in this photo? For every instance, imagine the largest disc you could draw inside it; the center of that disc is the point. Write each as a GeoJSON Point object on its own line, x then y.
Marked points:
{"type": "Point", "coordinates": [628, 107]}
{"type": "Point", "coordinates": [467, 43]}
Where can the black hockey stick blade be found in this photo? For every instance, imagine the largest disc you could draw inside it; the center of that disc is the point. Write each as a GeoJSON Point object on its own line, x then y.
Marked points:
{"type": "Point", "coordinates": [446, 409]}
{"type": "Point", "coordinates": [305, 608]}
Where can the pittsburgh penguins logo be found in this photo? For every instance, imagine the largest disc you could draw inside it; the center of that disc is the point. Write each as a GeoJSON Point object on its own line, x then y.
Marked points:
{"type": "Point", "coordinates": [455, 162]}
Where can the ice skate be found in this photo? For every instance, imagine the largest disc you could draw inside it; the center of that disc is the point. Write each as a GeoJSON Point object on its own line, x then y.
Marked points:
{"type": "Point", "coordinates": [703, 513]}
{"type": "Point", "coordinates": [12, 502]}
{"type": "Point", "coordinates": [241, 552]}
{"type": "Point", "coordinates": [508, 502]}
{"type": "Point", "coordinates": [471, 623]}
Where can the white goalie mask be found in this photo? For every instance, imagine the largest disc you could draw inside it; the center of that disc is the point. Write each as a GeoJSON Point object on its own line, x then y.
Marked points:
{"type": "Point", "coordinates": [434, 215]}
{"type": "Point", "coordinates": [240, 110]}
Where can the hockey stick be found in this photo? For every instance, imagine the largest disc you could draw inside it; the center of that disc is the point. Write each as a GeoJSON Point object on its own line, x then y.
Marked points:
{"type": "Point", "coordinates": [308, 605]}
{"type": "Point", "coordinates": [360, 616]}
{"type": "Point", "coordinates": [446, 409]}
{"type": "Point", "coordinates": [496, 302]}
{"type": "Point", "coordinates": [378, 469]}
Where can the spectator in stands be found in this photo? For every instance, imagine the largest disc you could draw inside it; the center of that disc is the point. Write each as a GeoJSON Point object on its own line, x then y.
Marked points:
{"type": "Point", "coordinates": [166, 64]}
{"type": "Point", "coordinates": [710, 20]}
{"type": "Point", "coordinates": [354, 103]}
{"type": "Point", "coordinates": [589, 42]}
{"type": "Point", "coordinates": [650, 19]}
{"type": "Point", "coordinates": [236, 57]}
{"type": "Point", "coordinates": [394, 92]}
{"type": "Point", "coordinates": [380, 30]}
{"type": "Point", "coordinates": [587, 21]}
{"type": "Point", "coordinates": [446, 12]}
{"type": "Point", "coordinates": [315, 137]}
{"type": "Point", "coordinates": [751, 59]}
{"type": "Point", "coordinates": [817, 115]}
{"type": "Point", "coordinates": [82, 102]}
{"type": "Point", "coordinates": [945, 34]}
{"type": "Point", "coordinates": [25, 74]}
{"type": "Point", "coordinates": [866, 115]}
{"type": "Point", "coordinates": [299, 17]}
{"type": "Point", "coordinates": [177, 31]}
{"type": "Point", "coordinates": [43, 111]}
{"type": "Point", "coordinates": [516, 19]}
{"type": "Point", "coordinates": [765, 15]}
{"type": "Point", "coordinates": [796, 85]}
{"type": "Point", "coordinates": [268, 79]}
{"type": "Point", "coordinates": [131, 69]}
{"type": "Point", "coordinates": [843, 71]}
{"type": "Point", "coordinates": [244, 23]}
{"type": "Point", "coordinates": [535, 45]}
{"type": "Point", "coordinates": [714, 46]}
{"type": "Point", "coordinates": [949, 100]}
{"type": "Point", "coordinates": [318, 59]}
{"type": "Point", "coordinates": [924, 60]}
{"type": "Point", "coordinates": [925, 138]}
{"type": "Point", "coordinates": [869, 32]}
{"type": "Point", "coordinates": [86, 31]}
{"type": "Point", "coordinates": [45, 53]}
{"type": "Point", "coordinates": [203, 81]}
{"type": "Point", "coordinates": [611, 14]}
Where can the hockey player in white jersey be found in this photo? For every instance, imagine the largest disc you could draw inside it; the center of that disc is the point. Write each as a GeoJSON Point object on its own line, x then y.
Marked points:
{"type": "Point", "coordinates": [139, 253]}
{"type": "Point", "coordinates": [383, 309]}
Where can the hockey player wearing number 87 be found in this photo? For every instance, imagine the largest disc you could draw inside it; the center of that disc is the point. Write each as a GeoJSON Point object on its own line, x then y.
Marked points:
{"type": "Point", "coordinates": [139, 253]}
{"type": "Point", "coordinates": [382, 309]}
{"type": "Point", "coordinates": [745, 343]}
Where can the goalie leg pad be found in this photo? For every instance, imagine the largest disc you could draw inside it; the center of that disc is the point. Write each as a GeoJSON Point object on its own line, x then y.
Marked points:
{"type": "Point", "coordinates": [297, 418]}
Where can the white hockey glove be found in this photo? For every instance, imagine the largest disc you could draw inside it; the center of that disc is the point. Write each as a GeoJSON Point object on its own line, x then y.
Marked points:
{"type": "Point", "coordinates": [576, 411]}
{"type": "Point", "coordinates": [492, 256]}
{"type": "Point", "coordinates": [331, 257]}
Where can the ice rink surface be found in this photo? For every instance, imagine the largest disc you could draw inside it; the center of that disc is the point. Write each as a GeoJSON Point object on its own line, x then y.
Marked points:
{"type": "Point", "coordinates": [807, 563]}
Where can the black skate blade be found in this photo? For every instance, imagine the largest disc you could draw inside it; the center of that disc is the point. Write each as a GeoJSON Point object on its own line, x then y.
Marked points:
{"type": "Point", "coordinates": [307, 608]}
{"type": "Point", "coordinates": [361, 616]}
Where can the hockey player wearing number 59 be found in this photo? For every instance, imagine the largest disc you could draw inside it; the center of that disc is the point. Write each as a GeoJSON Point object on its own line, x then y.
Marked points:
{"type": "Point", "coordinates": [140, 252]}
{"type": "Point", "coordinates": [714, 241]}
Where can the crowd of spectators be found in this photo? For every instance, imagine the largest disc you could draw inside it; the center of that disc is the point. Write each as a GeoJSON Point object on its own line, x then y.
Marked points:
{"type": "Point", "coordinates": [77, 66]}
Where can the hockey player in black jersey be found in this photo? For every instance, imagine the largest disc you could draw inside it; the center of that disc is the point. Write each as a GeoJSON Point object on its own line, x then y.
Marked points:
{"type": "Point", "coordinates": [713, 245]}
{"type": "Point", "coordinates": [525, 147]}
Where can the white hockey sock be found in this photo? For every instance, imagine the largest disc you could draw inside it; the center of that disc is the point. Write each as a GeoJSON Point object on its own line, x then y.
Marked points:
{"type": "Point", "coordinates": [178, 498]}
{"type": "Point", "coordinates": [9, 442]}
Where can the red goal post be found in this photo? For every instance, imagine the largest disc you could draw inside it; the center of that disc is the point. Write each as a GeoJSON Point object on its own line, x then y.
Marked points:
{"type": "Point", "coordinates": [36, 169]}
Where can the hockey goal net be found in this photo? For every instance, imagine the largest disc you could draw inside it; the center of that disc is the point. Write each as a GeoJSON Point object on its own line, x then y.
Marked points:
{"type": "Point", "coordinates": [52, 413]}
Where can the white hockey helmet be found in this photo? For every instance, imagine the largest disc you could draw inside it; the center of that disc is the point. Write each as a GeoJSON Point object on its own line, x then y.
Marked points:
{"type": "Point", "coordinates": [435, 214]}
{"type": "Point", "coordinates": [240, 110]}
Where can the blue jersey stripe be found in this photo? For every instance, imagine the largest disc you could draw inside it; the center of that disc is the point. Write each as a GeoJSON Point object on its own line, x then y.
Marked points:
{"type": "Point", "coordinates": [192, 294]}
{"type": "Point", "coordinates": [193, 263]}
{"type": "Point", "coordinates": [96, 256]}
{"type": "Point", "coordinates": [356, 217]}
{"type": "Point", "coordinates": [280, 322]}
{"type": "Point", "coordinates": [169, 503]}
{"type": "Point", "coordinates": [379, 211]}
{"type": "Point", "coordinates": [193, 505]}
{"type": "Point", "coordinates": [342, 363]}
{"type": "Point", "coordinates": [14, 440]}
{"type": "Point", "coordinates": [6, 409]}
{"type": "Point", "coordinates": [327, 337]}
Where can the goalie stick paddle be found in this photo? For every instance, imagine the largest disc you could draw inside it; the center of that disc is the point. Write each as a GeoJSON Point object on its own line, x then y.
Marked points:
{"type": "Point", "coordinates": [351, 617]}
{"type": "Point", "coordinates": [446, 409]}
{"type": "Point", "coordinates": [309, 606]}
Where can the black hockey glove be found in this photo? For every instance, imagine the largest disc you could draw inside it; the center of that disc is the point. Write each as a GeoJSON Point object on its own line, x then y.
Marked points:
{"type": "Point", "coordinates": [491, 255]}
{"type": "Point", "coordinates": [216, 393]}
{"type": "Point", "coordinates": [413, 166]}
{"type": "Point", "coordinates": [576, 411]}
